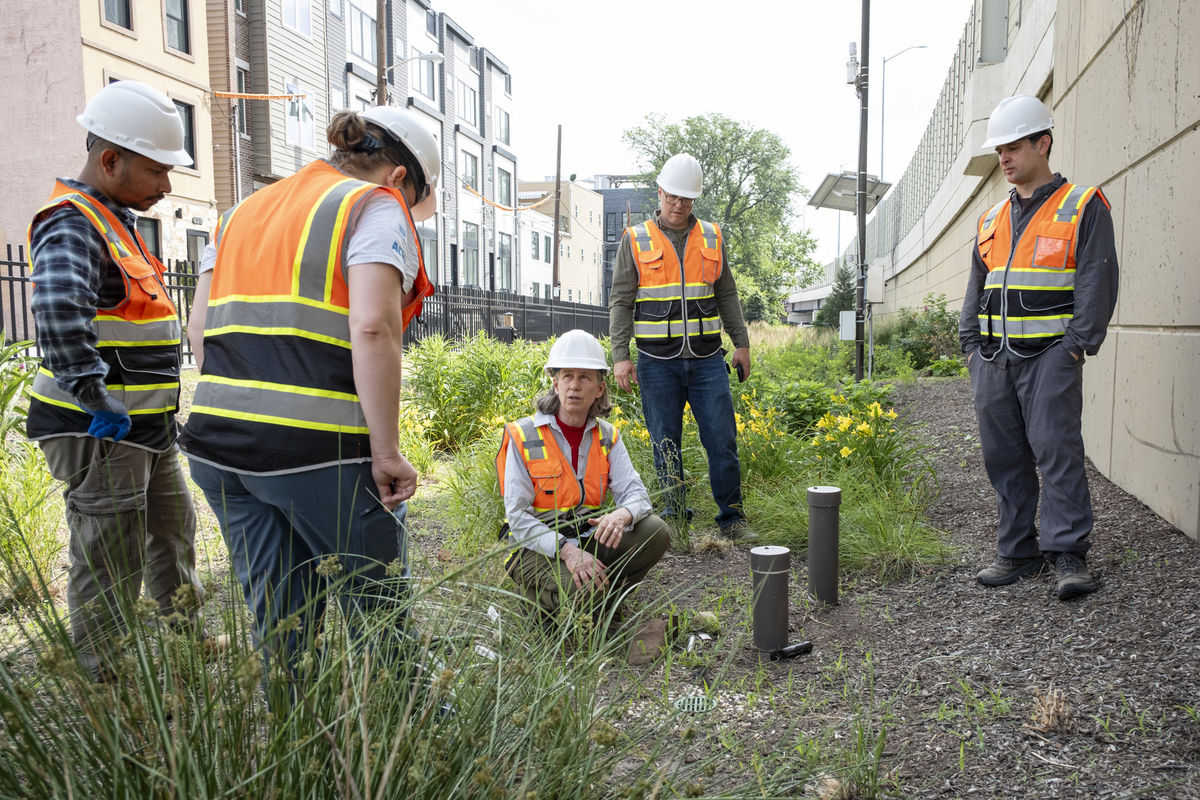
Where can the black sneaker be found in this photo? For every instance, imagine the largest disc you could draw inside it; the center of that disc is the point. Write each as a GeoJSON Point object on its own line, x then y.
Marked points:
{"type": "Point", "coordinates": [1004, 571]}
{"type": "Point", "coordinates": [1074, 577]}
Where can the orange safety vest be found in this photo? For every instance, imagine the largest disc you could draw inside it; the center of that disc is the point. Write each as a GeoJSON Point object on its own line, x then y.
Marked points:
{"type": "Point", "coordinates": [676, 305]}
{"type": "Point", "coordinates": [1028, 298]}
{"type": "Point", "coordinates": [558, 493]}
{"type": "Point", "coordinates": [277, 391]}
{"type": "Point", "coordinates": [138, 339]}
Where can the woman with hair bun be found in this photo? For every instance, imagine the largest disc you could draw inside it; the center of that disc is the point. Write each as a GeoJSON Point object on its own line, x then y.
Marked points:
{"type": "Point", "coordinates": [297, 324]}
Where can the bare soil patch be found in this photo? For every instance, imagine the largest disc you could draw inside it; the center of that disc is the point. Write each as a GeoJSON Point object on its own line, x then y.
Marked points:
{"type": "Point", "coordinates": [1005, 693]}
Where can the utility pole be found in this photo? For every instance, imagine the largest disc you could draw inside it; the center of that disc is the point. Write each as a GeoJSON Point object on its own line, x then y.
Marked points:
{"type": "Point", "coordinates": [860, 203]}
{"type": "Point", "coordinates": [381, 92]}
{"type": "Point", "coordinates": [557, 201]}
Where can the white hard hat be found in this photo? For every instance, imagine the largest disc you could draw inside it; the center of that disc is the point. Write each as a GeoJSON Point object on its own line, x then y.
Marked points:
{"type": "Point", "coordinates": [681, 176]}
{"type": "Point", "coordinates": [139, 118]}
{"type": "Point", "coordinates": [576, 349]}
{"type": "Point", "coordinates": [406, 126]}
{"type": "Point", "coordinates": [1015, 118]}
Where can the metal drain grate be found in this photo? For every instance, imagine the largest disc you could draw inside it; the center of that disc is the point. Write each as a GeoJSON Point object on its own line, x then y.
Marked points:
{"type": "Point", "coordinates": [696, 703]}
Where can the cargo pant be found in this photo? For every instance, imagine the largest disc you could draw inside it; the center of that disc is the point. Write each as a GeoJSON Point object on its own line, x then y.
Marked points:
{"type": "Point", "coordinates": [546, 580]}
{"type": "Point", "coordinates": [131, 516]}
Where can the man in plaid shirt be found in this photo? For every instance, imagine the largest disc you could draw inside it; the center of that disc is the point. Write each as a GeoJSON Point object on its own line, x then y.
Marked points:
{"type": "Point", "coordinates": [103, 402]}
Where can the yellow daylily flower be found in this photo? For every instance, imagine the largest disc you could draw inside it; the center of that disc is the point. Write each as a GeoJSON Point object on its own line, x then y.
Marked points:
{"type": "Point", "coordinates": [845, 451]}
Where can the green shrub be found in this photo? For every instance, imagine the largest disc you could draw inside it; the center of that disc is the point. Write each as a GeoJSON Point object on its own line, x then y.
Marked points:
{"type": "Point", "coordinates": [465, 390]}
{"type": "Point", "coordinates": [929, 332]}
{"type": "Point", "coordinates": [947, 367]}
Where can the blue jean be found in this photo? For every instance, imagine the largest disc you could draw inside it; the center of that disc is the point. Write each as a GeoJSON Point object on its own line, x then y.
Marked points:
{"type": "Point", "coordinates": [279, 528]}
{"type": "Point", "coordinates": [703, 383]}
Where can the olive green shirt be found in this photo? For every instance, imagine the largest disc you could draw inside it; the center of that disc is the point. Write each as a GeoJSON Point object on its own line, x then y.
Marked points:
{"type": "Point", "coordinates": [625, 286]}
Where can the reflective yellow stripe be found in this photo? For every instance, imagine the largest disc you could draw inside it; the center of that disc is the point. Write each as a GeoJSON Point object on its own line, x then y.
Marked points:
{"type": "Point", "coordinates": [275, 420]}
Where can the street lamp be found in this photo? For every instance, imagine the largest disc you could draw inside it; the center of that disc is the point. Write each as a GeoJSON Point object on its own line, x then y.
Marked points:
{"type": "Point", "coordinates": [382, 73]}
{"type": "Point", "coordinates": [883, 101]}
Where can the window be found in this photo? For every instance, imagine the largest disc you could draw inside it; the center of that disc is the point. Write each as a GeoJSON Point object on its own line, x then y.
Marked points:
{"type": "Point", "coordinates": [568, 252]}
{"type": "Point", "coordinates": [470, 170]}
{"type": "Point", "coordinates": [239, 6]}
{"type": "Point", "coordinates": [502, 123]}
{"type": "Point", "coordinates": [504, 261]}
{"type": "Point", "coordinates": [570, 295]}
{"type": "Point", "coordinates": [178, 37]}
{"type": "Point", "coordinates": [118, 12]}
{"type": "Point", "coordinates": [243, 85]}
{"type": "Point", "coordinates": [503, 187]}
{"type": "Point", "coordinates": [468, 104]}
{"type": "Point", "coordinates": [188, 114]}
{"type": "Point", "coordinates": [470, 254]}
{"type": "Point", "coordinates": [297, 15]}
{"type": "Point", "coordinates": [546, 249]}
{"type": "Point", "coordinates": [537, 238]}
{"type": "Point", "coordinates": [429, 248]}
{"type": "Point", "coordinates": [610, 227]}
{"type": "Point", "coordinates": [301, 129]}
{"type": "Point", "coordinates": [148, 229]}
{"type": "Point", "coordinates": [547, 290]}
{"type": "Point", "coordinates": [422, 75]}
{"type": "Point", "coordinates": [507, 83]}
{"type": "Point", "coordinates": [195, 245]}
{"type": "Point", "coordinates": [361, 26]}
{"type": "Point", "coordinates": [335, 7]}
{"type": "Point", "coordinates": [431, 23]}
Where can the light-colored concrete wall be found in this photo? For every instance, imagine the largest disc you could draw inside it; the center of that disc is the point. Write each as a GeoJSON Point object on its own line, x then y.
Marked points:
{"type": "Point", "coordinates": [41, 93]}
{"type": "Point", "coordinates": [1123, 83]}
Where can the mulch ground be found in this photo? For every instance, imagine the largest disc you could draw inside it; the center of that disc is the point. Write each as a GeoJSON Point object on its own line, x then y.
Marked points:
{"type": "Point", "coordinates": [1005, 693]}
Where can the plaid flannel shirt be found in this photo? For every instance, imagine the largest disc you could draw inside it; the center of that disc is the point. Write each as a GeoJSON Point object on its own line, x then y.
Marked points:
{"type": "Point", "coordinates": [73, 276]}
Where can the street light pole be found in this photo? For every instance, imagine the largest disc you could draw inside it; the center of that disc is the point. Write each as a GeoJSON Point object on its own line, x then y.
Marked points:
{"type": "Point", "coordinates": [882, 99]}
{"type": "Point", "coordinates": [860, 203]}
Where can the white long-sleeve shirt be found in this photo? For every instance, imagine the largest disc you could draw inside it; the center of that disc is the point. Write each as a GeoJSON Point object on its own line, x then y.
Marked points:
{"type": "Point", "coordinates": [526, 529]}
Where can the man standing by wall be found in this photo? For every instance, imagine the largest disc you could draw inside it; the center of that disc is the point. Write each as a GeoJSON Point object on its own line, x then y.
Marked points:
{"type": "Point", "coordinates": [1042, 288]}
{"type": "Point", "coordinates": [672, 291]}
{"type": "Point", "coordinates": [104, 401]}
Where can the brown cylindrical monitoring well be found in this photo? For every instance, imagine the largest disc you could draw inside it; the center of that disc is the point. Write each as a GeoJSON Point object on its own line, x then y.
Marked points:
{"type": "Point", "coordinates": [824, 503]}
{"type": "Point", "coordinates": [769, 567]}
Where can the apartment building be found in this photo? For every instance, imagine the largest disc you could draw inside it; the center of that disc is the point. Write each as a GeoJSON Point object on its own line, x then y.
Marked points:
{"type": "Point", "coordinates": [70, 49]}
{"type": "Point", "coordinates": [627, 201]}
{"type": "Point", "coordinates": [537, 237]}
{"type": "Point", "coordinates": [580, 241]}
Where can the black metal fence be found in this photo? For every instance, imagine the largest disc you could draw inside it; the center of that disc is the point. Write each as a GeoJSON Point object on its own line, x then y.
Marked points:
{"type": "Point", "coordinates": [454, 312]}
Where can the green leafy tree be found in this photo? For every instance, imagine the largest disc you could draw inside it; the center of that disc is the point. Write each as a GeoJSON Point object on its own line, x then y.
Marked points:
{"type": "Point", "coordinates": [749, 187]}
{"type": "Point", "coordinates": [841, 297]}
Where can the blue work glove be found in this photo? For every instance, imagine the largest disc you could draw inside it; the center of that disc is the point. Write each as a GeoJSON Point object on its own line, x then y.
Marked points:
{"type": "Point", "coordinates": [109, 425]}
{"type": "Point", "coordinates": [110, 418]}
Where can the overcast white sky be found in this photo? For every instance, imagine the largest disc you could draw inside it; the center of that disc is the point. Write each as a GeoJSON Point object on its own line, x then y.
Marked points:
{"type": "Point", "coordinates": [599, 68]}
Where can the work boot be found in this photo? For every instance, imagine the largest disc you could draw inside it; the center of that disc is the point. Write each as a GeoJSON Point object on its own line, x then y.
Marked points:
{"type": "Point", "coordinates": [1004, 571]}
{"type": "Point", "coordinates": [1074, 577]}
{"type": "Point", "coordinates": [739, 531]}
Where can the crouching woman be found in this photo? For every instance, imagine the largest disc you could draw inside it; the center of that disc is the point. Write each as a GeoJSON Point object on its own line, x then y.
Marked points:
{"type": "Point", "coordinates": [557, 469]}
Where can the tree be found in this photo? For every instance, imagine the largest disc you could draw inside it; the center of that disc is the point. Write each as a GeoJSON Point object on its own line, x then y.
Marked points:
{"type": "Point", "coordinates": [748, 190]}
{"type": "Point", "coordinates": [841, 298]}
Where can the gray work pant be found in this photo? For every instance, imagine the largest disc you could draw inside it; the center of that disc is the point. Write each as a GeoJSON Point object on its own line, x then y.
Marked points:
{"type": "Point", "coordinates": [130, 514]}
{"type": "Point", "coordinates": [1029, 421]}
